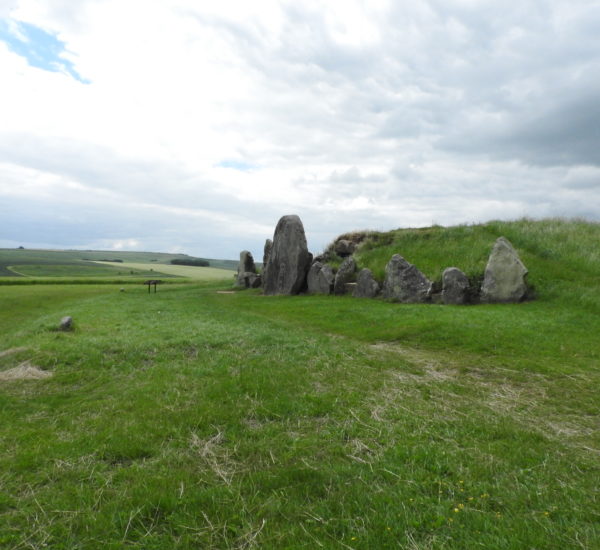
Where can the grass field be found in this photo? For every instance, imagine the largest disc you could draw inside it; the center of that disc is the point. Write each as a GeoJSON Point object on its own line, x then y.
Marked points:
{"type": "Point", "coordinates": [196, 419]}
{"type": "Point", "coordinates": [92, 269]}
{"type": "Point", "coordinates": [93, 264]}
{"type": "Point", "coordinates": [190, 272]}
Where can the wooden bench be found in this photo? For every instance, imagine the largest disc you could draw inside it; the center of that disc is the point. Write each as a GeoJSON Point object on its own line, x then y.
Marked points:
{"type": "Point", "coordinates": [152, 282]}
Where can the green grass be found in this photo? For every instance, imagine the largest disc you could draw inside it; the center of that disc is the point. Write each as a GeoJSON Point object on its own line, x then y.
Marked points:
{"type": "Point", "coordinates": [433, 249]}
{"type": "Point", "coordinates": [194, 419]}
{"type": "Point", "coordinates": [86, 270]}
{"type": "Point", "coordinates": [81, 263]}
{"type": "Point", "coordinates": [191, 272]}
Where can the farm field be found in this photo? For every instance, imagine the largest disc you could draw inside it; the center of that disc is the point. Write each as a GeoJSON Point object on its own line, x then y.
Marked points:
{"type": "Point", "coordinates": [192, 418]}
{"type": "Point", "coordinates": [96, 264]}
{"type": "Point", "coordinates": [187, 271]}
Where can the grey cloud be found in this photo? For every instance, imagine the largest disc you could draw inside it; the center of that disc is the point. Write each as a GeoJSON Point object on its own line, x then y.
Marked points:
{"type": "Point", "coordinates": [553, 132]}
{"type": "Point", "coordinates": [58, 222]}
{"type": "Point", "coordinates": [101, 168]}
{"type": "Point", "coordinates": [443, 73]}
{"type": "Point", "coordinates": [354, 175]}
{"type": "Point", "coordinates": [583, 178]}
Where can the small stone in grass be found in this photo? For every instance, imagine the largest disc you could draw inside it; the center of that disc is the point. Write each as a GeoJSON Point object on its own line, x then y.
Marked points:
{"type": "Point", "coordinates": [66, 323]}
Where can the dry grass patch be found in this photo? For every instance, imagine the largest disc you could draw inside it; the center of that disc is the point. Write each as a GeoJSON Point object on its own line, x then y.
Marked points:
{"type": "Point", "coordinates": [456, 390]}
{"type": "Point", "coordinates": [24, 371]}
{"type": "Point", "coordinates": [215, 455]}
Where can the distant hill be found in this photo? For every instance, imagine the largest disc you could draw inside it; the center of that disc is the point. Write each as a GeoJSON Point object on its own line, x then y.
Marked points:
{"type": "Point", "coordinates": [81, 260]}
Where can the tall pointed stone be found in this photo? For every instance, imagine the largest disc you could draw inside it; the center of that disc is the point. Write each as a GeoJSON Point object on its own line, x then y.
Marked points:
{"type": "Point", "coordinates": [289, 259]}
{"type": "Point", "coordinates": [505, 275]}
{"type": "Point", "coordinates": [266, 254]}
{"type": "Point", "coordinates": [404, 282]}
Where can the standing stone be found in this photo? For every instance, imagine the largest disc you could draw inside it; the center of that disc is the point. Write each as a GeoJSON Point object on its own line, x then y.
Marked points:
{"type": "Point", "coordinates": [505, 275]}
{"type": "Point", "coordinates": [366, 285]}
{"type": "Point", "coordinates": [343, 276]}
{"type": "Point", "coordinates": [320, 278]}
{"type": "Point", "coordinates": [404, 282]}
{"type": "Point", "coordinates": [266, 254]}
{"type": "Point", "coordinates": [267, 251]}
{"type": "Point", "coordinates": [289, 259]}
{"type": "Point", "coordinates": [312, 280]}
{"type": "Point", "coordinates": [455, 287]}
{"type": "Point", "coordinates": [246, 272]}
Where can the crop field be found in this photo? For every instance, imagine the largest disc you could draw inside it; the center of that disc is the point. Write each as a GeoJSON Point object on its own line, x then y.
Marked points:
{"type": "Point", "coordinates": [121, 267]}
{"type": "Point", "coordinates": [200, 418]}
{"type": "Point", "coordinates": [187, 271]}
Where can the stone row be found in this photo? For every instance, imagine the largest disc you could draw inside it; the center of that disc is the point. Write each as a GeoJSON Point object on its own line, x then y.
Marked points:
{"type": "Point", "coordinates": [288, 268]}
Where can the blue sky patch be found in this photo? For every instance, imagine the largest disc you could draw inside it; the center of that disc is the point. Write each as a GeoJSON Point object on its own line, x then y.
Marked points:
{"type": "Point", "coordinates": [236, 165]}
{"type": "Point", "coordinates": [41, 49]}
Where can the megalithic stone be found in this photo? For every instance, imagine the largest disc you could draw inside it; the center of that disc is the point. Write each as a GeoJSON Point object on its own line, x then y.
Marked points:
{"type": "Point", "coordinates": [366, 285]}
{"type": "Point", "coordinates": [266, 254]}
{"type": "Point", "coordinates": [320, 278]}
{"type": "Point", "coordinates": [245, 267]}
{"type": "Point", "coordinates": [505, 275]}
{"type": "Point", "coordinates": [455, 287]}
{"type": "Point", "coordinates": [404, 282]}
{"type": "Point", "coordinates": [344, 275]}
{"type": "Point", "coordinates": [289, 259]}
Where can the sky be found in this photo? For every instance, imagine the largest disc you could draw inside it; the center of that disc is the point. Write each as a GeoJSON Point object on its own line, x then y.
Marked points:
{"type": "Point", "coordinates": [186, 126]}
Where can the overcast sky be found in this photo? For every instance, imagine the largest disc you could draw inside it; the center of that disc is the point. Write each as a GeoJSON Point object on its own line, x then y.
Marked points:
{"type": "Point", "coordinates": [187, 126]}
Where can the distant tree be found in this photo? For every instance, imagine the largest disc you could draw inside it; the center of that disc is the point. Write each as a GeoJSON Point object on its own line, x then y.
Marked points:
{"type": "Point", "coordinates": [197, 262]}
{"type": "Point", "coordinates": [21, 248]}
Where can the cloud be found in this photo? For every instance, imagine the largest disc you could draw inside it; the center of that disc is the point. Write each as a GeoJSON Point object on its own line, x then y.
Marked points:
{"type": "Point", "coordinates": [202, 124]}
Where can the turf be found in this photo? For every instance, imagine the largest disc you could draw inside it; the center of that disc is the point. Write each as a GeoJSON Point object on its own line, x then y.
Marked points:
{"type": "Point", "coordinates": [197, 419]}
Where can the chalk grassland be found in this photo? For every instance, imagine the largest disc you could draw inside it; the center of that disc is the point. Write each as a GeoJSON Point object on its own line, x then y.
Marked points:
{"type": "Point", "coordinates": [196, 419]}
{"type": "Point", "coordinates": [190, 272]}
{"type": "Point", "coordinates": [88, 270]}
{"type": "Point", "coordinates": [81, 263]}
{"type": "Point", "coordinates": [554, 244]}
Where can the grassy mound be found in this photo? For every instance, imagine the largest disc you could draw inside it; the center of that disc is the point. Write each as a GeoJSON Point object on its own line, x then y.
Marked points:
{"type": "Point", "coordinates": [563, 256]}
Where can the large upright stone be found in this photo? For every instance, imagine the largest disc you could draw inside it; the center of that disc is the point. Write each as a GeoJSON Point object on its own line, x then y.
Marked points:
{"type": "Point", "coordinates": [267, 251]}
{"type": "Point", "coordinates": [289, 259]}
{"type": "Point", "coordinates": [404, 282]}
{"type": "Point", "coordinates": [344, 275]}
{"type": "Point", "coordinates": [366, 285]}
{"type": "Point", "coordinates": [505, 275]}
{"type": "Point", "coordinates": [455, 287]}
{"type": "Point", "coordinates": [246, 271]}
{"type": "Point", "coordinates": [266, 254]}
{"type": "Point", "coordinates": [320, 278]}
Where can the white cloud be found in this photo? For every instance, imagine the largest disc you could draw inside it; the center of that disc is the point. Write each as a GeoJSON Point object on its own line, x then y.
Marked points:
{"type": "Point", "coordinates": [350, 114]}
